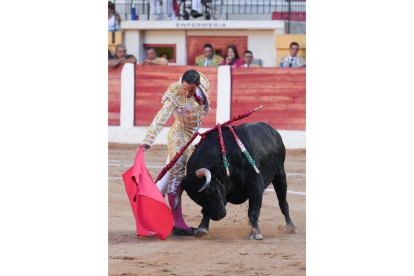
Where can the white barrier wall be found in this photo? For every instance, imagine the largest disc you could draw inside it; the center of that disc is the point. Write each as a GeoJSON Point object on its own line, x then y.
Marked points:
{"type": "Point", "coordinates": [127, 133]}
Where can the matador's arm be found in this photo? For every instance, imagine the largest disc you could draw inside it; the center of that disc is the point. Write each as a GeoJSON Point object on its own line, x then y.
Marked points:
{"type": "Point", "coordinates": [158, 123]}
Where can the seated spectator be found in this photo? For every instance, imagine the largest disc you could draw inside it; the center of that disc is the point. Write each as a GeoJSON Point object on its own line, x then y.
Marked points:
{"type": "Point", "coordinates": [165, 55]}
{"type": "Point", "coordinates": [232, 57]}
{"type": "Point", "coordinates": [208, 58]}
{"type": "Point", "coordinates": [113, 18]}
{"type": "Point", "coordinates": [109, 54]}
{"type": "Point", "coordinates": [292, 60]}
{"type": "Point", "coordinates": [120, 57]}
{"type": "Point", "coordinates": [152, 58]}
{"type": "Point", "coordinates": [248, 58]}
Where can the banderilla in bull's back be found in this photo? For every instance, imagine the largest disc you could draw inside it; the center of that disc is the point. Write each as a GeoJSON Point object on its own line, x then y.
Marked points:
{"type": "Point", "coordinates": [178, 154]}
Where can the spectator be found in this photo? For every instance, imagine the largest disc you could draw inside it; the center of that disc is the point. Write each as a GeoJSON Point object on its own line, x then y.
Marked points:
{"type": "Point", "coordinates": [208, 59]}
{"type": "Point", "coordinates": [113, 18]}
{"type": "Point", "coordinates": [165, 55]}
{"type": "Point", "coordinates": [120, 57]}
{"type": "Point", "coordinates": [232, 57]}
{"type": "Point", "coordinates": [248, 58]}
{"type": "Point", "coordinates": [292, 60]}
{"type": "Point", "coordinates": [109, 54]}
{"type": "Point", "coordinates": [152, 58]}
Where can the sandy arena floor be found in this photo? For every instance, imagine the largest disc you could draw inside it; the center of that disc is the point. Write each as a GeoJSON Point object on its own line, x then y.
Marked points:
{"type": "Point", "coordinates": [227, 249]}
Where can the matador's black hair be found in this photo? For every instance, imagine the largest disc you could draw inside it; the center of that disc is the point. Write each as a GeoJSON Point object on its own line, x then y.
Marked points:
{"type": "Point", "coordinates": [191, 77]}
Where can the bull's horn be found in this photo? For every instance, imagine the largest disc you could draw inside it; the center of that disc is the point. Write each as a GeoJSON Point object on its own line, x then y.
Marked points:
{"type": "Point", "coordinates": [204, 172]}
{"type": "Point", "coordinates": [178, 194]}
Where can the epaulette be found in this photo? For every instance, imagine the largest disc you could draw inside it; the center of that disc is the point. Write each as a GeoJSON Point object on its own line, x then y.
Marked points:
{"type": "Point", "coordinates": [218, 59]}
{"type": "Point", "coordinates": [204, 82]}
{"type": "Point", "coordinates": [283, 59]}
{"type": "Point", "coordinates": [176, 95]}
{"type": "Point", "coordinates": [301, 62]}
{"type": "Point", "coordinates": [199, 58]}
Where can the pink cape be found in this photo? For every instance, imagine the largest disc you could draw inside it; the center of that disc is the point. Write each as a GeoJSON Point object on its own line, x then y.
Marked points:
{"type": "Point", "coordinates": [152, 215]}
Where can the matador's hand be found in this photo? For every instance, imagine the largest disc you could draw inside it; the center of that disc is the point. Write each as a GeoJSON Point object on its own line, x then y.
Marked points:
{"type": "Point", "coordinates": [145, 148]}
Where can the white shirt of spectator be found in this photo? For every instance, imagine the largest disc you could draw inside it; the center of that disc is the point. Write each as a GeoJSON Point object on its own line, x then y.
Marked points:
{"type": "Point", "coordinates": [207, 62]}
{"type": "Point", "coordinates": [246, 65]}
{"type": "Point", "coordinates": [113, 24]}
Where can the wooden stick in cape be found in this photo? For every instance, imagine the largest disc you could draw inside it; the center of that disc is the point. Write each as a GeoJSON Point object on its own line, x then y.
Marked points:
{"type": "Point", "coordinates": [238, 117]}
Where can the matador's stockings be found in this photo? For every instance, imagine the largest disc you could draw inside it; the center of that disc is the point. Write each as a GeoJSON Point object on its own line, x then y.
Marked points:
{"type": "Point", "coordinates": [178, 215]}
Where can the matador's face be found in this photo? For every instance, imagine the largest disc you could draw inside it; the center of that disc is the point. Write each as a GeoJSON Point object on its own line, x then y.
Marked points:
{"type": "Point", "coordinates": [189, 89]}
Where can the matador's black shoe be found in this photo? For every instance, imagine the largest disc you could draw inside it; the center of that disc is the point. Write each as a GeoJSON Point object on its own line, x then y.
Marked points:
{"type": "Point", "coordinates": [195, 14]}
{"type": "Point", "coordinates": [183, 232]}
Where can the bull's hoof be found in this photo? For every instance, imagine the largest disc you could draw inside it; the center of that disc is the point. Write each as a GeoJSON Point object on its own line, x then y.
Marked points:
{"type": "Point", "coordinates": [200, 232]}
{"type": "Point", "coordinates": [291, 230]}
{"type": "Point", "coordinates": [182, 232]}
{"type": "Point", "coordinates": [256, 235]}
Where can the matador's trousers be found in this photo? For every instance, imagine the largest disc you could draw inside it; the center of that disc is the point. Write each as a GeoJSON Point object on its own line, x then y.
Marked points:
{"type": "Point", "coordinates": [178, 136]}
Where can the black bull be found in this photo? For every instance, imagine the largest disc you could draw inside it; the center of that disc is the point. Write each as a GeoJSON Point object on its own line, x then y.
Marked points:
{"type": "Point", "coordinates": [207, 183]}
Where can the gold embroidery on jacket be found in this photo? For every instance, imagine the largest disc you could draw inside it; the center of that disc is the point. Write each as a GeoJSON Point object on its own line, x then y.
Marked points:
{"type": "Point", "coordinates": [181, 131]}
{"type": "Point", "coordinates": [159, 121]}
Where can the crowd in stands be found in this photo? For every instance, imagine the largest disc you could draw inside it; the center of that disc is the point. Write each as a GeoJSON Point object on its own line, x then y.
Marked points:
{"type": "Point", "coordinates": [208, 58]}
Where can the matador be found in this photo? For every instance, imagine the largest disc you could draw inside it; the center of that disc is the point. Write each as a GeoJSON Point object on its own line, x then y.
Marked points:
{"type": "Point", "coordinates": [187, 99]}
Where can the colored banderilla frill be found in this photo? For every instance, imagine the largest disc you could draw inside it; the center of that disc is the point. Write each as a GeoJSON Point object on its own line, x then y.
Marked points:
{"type": "Point", "coordinates": [178, 154]}
{"type": "Point", "coordinates": [243, 149]}
{"type": "Point", "coordinates": [223, 150]}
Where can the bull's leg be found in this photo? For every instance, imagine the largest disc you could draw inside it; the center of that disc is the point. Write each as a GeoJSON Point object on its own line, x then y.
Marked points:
{"type": "Point", "coordinates": [280, 185]}
{"type": "Point", "coordinates": [255, 203]}
{"type": "Point", "coordinates": [204, 225]}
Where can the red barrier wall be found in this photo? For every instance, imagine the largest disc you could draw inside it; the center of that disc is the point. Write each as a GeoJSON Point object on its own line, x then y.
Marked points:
{"type": "Point", "coordinates": [114, 95]}
{"type": "Point", "coordinates": [151, 82]}
{"type": "Point", "coordinates": [281, 91]}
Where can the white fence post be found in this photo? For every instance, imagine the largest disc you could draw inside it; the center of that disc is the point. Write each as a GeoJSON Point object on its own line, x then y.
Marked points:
{"type": "Point", "coordinates": [127, 95]}
{"type": "Point", "coordinates": [223, 112]}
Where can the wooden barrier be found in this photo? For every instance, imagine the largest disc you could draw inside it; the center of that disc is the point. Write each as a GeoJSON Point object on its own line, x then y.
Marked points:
{"type": "Point", "coordinates": [151, 82]}
{"type": "Point", "coordinates": [114, 95]}
{"type": "Point", "coordinates": [282, 92]}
